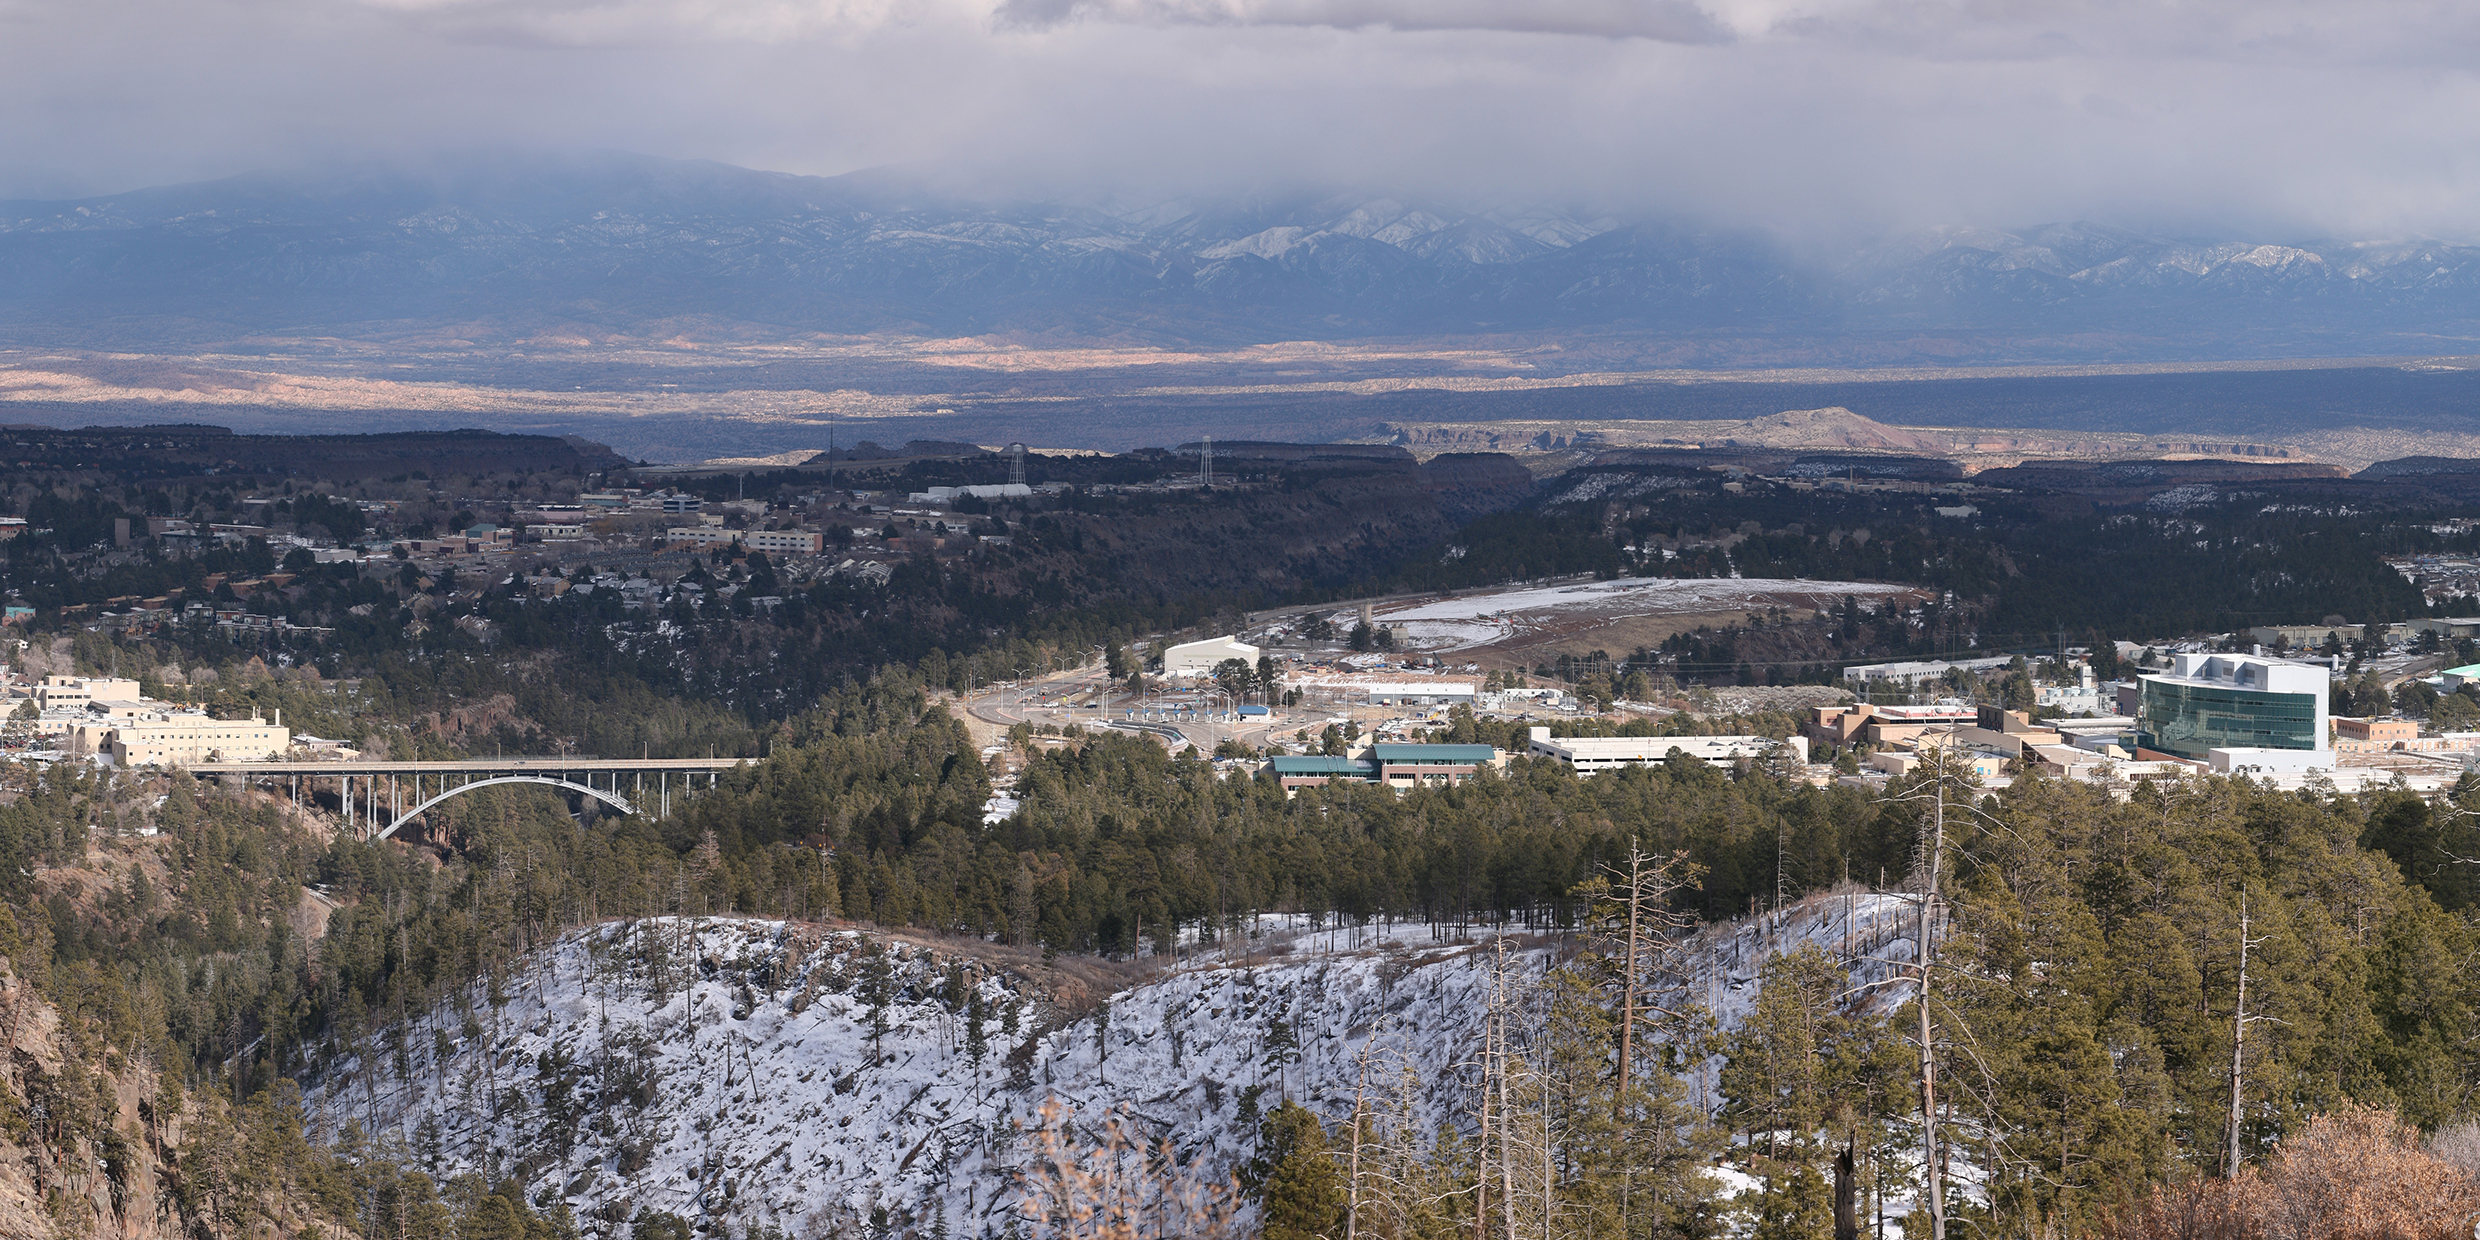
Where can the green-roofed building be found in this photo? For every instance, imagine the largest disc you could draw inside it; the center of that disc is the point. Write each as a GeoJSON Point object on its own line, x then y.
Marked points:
{"type": "Point", "coordinates": [1396, 766]}
{"type": "Point", "coordinates": [2457, 677]}
{"type": "Point", "coordinates": [1411, 766]}
{"type": "Point", "coordinates": [1298, 771]}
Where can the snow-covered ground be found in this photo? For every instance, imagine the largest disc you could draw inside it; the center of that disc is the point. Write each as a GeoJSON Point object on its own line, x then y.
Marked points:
{"type": "Point", "coordinates": [765, 1072]}
{"type": "Point", "coordinates": [1476, 620]}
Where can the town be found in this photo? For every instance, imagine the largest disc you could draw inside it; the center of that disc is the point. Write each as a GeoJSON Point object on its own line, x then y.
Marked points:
{"type": "Point", "coordinates": [843, 750]}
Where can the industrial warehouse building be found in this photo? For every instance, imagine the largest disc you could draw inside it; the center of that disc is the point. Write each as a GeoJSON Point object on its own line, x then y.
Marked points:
{"type": "Point", "coordinates": [1381, 689]}
{"type": "Point", "coordinates": [1201, 658]}
{"type": "Point", "coordinates": [2243, 704]}
{"type": "Point", "coordinates": [1587, 754]}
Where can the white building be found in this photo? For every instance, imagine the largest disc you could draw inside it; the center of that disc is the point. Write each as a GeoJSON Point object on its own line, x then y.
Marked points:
{"type": "Point", "coordinates": [81, 692]}
{"type": "Point", "coordinates": [800, 542]}
{"type": "Point", "coordinates": [1383, 689]}
{"type": "Point", "coordinates": [1201, 658]}
{"type": "Point", "coordinates": [1587, 754]}
{"type": "Point", "coordinates": [186, 738]}
{"type": "Point", "coordinates": [107, 716]}
{"type": "Point", "coordinates": [2240, 761]}
{"type": "Point", "coordinates": [949, 495]}
{"type": "Point", "coordinates": [1915, 671]}
{"type": "Point", "coordinates": [1520, 699]}
{"type": "Point", "coordinates": [2233, 701]}
{"type": "Point", "coordinates": [2081, 698]}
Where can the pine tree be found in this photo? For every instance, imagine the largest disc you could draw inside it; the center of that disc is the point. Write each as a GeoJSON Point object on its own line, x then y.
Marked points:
{"type": "Point", "coordinates": [1793, 1204]}
{"type": "Point", "coordinates": [1775, 1079]}
{"type": "Point", "coordinates": [976, 1039]}
{"type": "Point", "coordinates": [1282, 1050]}
{"type": "Point", "coordinates": [1299, 1189]}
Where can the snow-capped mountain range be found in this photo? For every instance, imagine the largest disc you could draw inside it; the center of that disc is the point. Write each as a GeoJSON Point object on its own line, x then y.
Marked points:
{"type": "Point", "coordinates": [632, 240]}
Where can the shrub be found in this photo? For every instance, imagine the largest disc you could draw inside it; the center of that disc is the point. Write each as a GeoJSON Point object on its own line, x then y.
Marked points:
{"type": "Point", "coordinates": [2356, 1174]}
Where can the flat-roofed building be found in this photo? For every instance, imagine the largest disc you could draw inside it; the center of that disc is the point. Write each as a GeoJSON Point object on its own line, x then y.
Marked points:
{"type": "Point", "coordinates": [1296, 771]}
{"type": "Point", "coordinates": [186, 738]}
{"type": "Point", "coordinates": [2232, 701]}
{"type": "Point", "coordinates": [78, 692]}
{"type": "Point", "coordinates": [2257, 761]}
{"type": "Point", "coordinates": [1384, 688]}
{"type": "Point", "coordinates": [2305, 636]}
{"type": "Point", "coordinates": [1980, 763]}
{"type": "Point", "coordinates": [1587, 754]}
{"type": "Point", "coordinates": [796, 542]}
{"type": "Point", "coordinates": [2353, 733]}
{"type": "Point", "coordinates": [1881, 725]}
{"type": "Point", "coordinates": [1402, 767]}
{"type": "Point", "coordinates": [1411, 766]}
{"type": "Point", "coordinates": [1914, 671]}
{"type": "Point", "coordinates": [2444, 626]}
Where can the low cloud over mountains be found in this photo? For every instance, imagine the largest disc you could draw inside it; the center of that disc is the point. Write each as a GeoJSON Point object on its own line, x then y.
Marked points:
{"type": "Point", "coordinates": [628, 240]}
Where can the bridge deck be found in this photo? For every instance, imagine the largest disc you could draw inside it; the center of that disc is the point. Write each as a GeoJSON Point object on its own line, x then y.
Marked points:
{"type": "Point", "coordinates": [470, 766]}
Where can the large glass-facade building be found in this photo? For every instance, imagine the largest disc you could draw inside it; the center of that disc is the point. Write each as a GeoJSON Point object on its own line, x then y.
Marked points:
{"type": "Point", "coordinates": [2221, 701]}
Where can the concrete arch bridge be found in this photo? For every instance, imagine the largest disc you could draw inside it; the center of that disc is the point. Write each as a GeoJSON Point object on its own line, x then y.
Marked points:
{"type": "Point", "coordinates": [378, 797]}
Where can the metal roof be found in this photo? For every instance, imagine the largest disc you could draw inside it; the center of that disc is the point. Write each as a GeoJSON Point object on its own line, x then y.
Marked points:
{"type": "Point", "coordinates": [1316, 764]}
{"type": "Point", "coordinates": [1434, 753]}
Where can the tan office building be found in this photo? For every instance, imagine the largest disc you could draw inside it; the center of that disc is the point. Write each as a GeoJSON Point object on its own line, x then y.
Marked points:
{"type": "Point", "coordinates": [184, 738]}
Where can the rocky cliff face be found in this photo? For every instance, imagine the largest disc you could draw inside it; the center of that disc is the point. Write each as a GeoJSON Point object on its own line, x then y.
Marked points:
{"type": "Point", "coordinates": [92, 1143]}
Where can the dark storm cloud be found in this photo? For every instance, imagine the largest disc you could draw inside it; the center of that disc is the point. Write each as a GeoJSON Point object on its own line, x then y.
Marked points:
{"type": "Point", "coordinates": [1813, 115]}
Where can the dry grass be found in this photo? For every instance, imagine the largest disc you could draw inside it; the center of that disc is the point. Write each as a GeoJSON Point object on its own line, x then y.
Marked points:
{"type": "Point", "coordinates": [2359, 1174]}
{"type": "Point", "coordinates": [1117, 1185]}
{"type": "Point", "coordinates": [1074, 983]}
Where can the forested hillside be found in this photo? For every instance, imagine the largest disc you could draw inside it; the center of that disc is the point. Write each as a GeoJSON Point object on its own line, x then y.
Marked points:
{"type": "Point", "coordinates": [2084, 1005]}
{"type": "Point", "coordinates": [217, 952]}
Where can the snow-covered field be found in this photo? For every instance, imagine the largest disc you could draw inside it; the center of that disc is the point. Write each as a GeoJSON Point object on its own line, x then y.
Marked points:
{"type": "Point", "coordinates": [1494, 618]}
{"type": "Point", "coordinates": [765, 1072]}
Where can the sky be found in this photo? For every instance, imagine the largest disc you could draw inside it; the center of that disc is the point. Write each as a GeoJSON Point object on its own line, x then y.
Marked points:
{"type": "Point", "coordinates": [1847, 117]}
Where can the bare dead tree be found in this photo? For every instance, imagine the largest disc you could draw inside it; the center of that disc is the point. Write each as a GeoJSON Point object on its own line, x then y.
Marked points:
{"type": "Point", "coordinates": [2239, 1021]}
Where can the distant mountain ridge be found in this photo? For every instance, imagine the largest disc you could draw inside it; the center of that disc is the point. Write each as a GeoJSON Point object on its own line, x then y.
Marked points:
{"type": "Point", "coordinates": [626, 240]}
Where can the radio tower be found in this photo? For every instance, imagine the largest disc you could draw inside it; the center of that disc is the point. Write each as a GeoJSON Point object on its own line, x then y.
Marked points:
{"type": "Point", "coordinates": [1016, 464]}
{"type": "Point", "coordinates": [1205, 462]}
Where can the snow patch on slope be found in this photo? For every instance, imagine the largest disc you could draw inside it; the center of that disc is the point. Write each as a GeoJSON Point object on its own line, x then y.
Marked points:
{"type": "Point", "coordinates": [765, 1072]}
